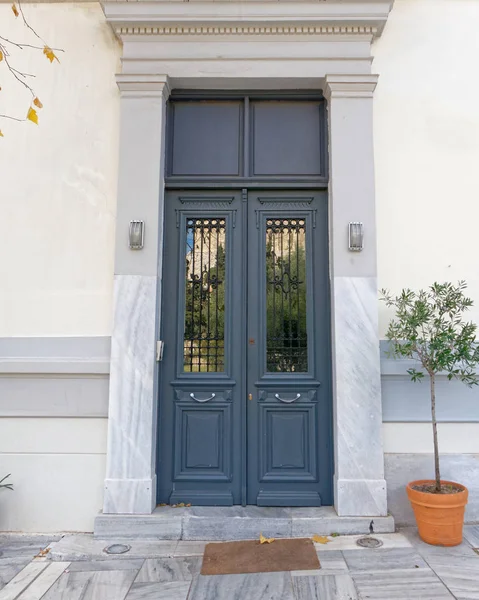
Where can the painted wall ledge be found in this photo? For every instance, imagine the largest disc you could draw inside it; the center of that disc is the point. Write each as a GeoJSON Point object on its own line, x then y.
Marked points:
{"type": "Point", "coordinates": [59, 355]}
{"type": "Point", "coordinates": [406, 401]}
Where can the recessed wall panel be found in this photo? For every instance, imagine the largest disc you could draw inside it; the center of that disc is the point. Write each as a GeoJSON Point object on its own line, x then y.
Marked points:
{"type": "Point", "coordinates": [206, 138]}
{"type": "Point", "coordinates": [286, 138]}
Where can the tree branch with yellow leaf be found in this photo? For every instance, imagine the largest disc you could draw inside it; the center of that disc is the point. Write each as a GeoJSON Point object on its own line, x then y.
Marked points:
{"type": "Point", "coordinates": [6, 45]}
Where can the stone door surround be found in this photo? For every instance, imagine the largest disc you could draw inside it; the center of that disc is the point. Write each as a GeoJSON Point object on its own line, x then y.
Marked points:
{"type": "Point", "coordinates": [255, 46]}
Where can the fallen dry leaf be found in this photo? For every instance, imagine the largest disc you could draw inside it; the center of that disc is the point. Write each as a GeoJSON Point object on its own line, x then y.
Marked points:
{"type": "Point", "coordinates": [15, 10]}
{"type": "Point", "coordinates": [1, 56]}
{"type": "Point", "coordinates": [321, 539]}
{"type": "Point", "coordinates": [1, 134]}
{"type": "Point", "coordinates": [37, 103]}
{"type": "Point", "coordinates": [265, 540]}
{"type": "Point", "coordinates": [43, 553]}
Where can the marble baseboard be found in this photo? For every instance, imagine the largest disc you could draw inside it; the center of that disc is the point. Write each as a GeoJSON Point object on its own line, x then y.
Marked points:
{"type": "Point", "coordinates": [402, 468]}
{"type": "Point", "coordinates": [361, 498]}
{"type": "Point", "coordinates": [129, 496]}
{"type": "Point", "coordinates": [342, 525]}
{"type": "Point", "coordinates": [234, 528]}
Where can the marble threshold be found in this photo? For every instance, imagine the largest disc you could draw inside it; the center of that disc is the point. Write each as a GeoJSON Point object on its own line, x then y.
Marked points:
{"type": "Point", "coordinates": [224, 523]}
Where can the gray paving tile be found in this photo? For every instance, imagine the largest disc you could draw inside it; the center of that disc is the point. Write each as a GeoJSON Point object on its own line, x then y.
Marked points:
{"type": "Point", "coordinates": [459, 573]}
{"type": "Point", "coordinates": [44, 581]}
{"type": "Point", "coordinates": [9, 567]}
{"type": "Point", "coordinates": [22, 580]}
{"type": "Point", "coordinates": [471, 533]}
{"type": "Point", "coordinates": [36, 539]}
{"type": "Point", "coordinates": [348, 542]}
{"type": "Point", "coordinates": [185, 548]}
{"type": "Point", "coordinates": [376, 560]}
{"type": "Point", "coordinates": [100, 585]}
{"type": "Point", "coordinates": [325, 587]}
{"type": "Point", "coordinates": [18, 549]}
{"type": "Point", "coordinates": [162, 570]}
{"type": "Point", "coordinates": [174, 590]}
{"type": "Point", "coordinates": [252, 586]}
{"type": "Point", "coordinates": [427, 549]}
{"type": "Point", "coordinates": [107, 565]}
{"type": "Point", "coordinates": [86, 547]}
{"type": "Point", "coordinates": [400, 584]}
{"type": "Point", "coordinates": [332, 561]}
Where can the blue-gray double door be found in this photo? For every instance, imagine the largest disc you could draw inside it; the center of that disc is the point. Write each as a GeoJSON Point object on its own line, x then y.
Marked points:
{"type": "Point", "coordinates": [244, 393]}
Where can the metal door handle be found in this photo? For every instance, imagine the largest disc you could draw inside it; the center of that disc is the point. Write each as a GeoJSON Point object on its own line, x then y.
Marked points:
{"type": "Point", "coordinates": [278, 397]}
{"type": "Point", "coordinates": [204, 399]}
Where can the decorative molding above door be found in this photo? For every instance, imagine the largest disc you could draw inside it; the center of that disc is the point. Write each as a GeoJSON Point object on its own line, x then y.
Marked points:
{"type": "Point", "coordinates": [248, 18]}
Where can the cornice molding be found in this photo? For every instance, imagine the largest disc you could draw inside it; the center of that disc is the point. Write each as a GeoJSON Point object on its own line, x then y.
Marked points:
{"type": "Point", "coordinates": [206, 30]}
{"type": "Point", "coordinates": [350, 86]}
{"type": "Point", "coordinates": [328, 17]}
{"type": "Point", "coordinates": [143, 85]}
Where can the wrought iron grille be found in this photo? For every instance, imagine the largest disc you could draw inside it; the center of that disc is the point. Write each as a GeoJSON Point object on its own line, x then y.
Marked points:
{"type": "Point", "coordinates": [204, 337]}
{"type": "Point", "coordinates": [286, 332]}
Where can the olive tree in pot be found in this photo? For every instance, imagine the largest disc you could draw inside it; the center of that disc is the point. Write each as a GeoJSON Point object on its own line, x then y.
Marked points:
{"type": "Point", "coordinates": [429, 326]}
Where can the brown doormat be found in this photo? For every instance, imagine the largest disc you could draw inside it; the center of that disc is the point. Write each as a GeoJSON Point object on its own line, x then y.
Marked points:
{"type": "Point", "coordinates": [227, 558]}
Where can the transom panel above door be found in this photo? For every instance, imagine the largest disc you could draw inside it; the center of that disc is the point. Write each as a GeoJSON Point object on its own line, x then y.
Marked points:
{"type": "Point", "coordinates": [238, 139]}
{"type": "Point", "coordinates": [244, 402]}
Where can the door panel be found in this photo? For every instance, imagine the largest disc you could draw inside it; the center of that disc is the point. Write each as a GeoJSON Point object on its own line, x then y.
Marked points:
{"type": "Point", "coordinates": [245, 401]}
{"type": "Point", "coordinates": [289, 450]}
{"type": "Point", "coordinates": [200, 409]}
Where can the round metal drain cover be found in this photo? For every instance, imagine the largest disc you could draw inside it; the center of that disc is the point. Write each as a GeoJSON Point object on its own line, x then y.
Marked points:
{"type": "Point", "coordinates": [369, 542]}
{"type": "Point", "coordinates": [117, 549]}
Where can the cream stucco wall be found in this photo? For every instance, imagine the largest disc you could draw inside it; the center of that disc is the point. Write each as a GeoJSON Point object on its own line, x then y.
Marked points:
{"type": "Point", "coordinates": [57, 469]}
{"type": "Point", "coordinates": [58, 198]}
{"type": "Point", "coordinates": [427, 146]}
{"type": "Point", "coordinates": [58, 180]}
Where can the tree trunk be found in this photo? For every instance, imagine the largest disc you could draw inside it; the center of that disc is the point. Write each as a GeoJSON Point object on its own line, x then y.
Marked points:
{"type": "Point", "coordinates": [434, 432]}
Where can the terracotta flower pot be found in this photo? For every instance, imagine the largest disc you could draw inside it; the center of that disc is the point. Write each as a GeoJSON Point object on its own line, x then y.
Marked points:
{"type": "Point", "coordinates": [439, 517]}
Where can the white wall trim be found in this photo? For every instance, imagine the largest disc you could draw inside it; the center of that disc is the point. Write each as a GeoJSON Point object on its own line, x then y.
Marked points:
{"type": "Point", "coordinates": [59, 355]}
{"type": "Point", "coordinates": [240, 15]}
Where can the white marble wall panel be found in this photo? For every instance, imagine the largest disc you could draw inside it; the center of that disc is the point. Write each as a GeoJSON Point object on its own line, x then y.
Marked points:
{"type": "Point", "coordinates": [130, 485]}
{"type": "Point", "coordinates": [359, 472]}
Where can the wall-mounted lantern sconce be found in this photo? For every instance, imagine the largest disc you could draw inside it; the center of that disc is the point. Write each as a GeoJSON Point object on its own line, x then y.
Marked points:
{"type": "Point", "coordinates": [356, 237]}
{"type": "Point", "coordinates": [137, 235]}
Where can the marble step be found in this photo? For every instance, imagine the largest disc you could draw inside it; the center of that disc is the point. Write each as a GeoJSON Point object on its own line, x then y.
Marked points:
{"type": "Point", "coordinates": [235, 523]}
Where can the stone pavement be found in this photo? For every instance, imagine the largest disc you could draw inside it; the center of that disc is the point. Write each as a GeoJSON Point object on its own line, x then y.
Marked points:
{"type": "Point", "coordinates": [75, 567]}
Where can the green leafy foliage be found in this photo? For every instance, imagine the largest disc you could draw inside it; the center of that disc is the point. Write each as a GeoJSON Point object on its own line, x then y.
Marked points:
{"type": "Point", "coordinates": [430, 327]}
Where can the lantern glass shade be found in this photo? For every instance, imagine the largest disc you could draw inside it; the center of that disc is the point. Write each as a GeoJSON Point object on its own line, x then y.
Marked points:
{"type": "Point", "coordinates": [136, 234]}
{"type": "Point", "coordinates": [356, 236]}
